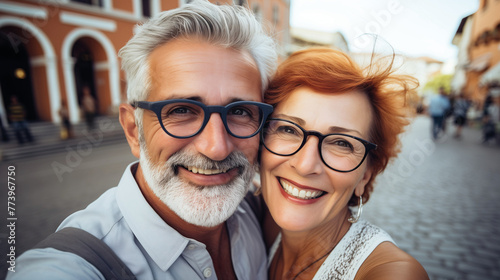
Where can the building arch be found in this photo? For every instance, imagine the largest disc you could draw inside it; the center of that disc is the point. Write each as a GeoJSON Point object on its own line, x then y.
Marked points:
{"type": "Point", "coordinates": [111, 66]}
{"type": "Point", "coordinates": [48, 60]}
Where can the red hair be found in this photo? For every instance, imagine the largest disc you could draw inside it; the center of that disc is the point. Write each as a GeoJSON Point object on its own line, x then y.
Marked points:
{"type": "Point", "coordinates": [332, 72]}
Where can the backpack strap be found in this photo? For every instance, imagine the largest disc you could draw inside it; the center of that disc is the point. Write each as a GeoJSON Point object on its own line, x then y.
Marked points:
{"type": "Point", "coordinates": [90, 248]}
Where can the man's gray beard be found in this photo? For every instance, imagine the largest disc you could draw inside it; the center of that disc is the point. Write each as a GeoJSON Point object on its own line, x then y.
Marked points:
{"type": "Point", "coordinates": [205, 206]}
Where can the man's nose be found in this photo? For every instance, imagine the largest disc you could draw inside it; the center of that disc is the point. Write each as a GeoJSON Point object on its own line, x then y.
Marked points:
{"type": "Point", "coordinates": [214, 141]}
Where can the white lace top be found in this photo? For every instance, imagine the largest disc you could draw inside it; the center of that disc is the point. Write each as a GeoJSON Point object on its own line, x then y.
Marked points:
{"type": "Point", "coordinates": [353, 249]}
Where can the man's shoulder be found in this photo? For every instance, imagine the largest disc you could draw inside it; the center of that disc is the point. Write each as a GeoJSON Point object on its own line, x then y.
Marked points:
{"type": "Point", "coordinates": [49, 263]}
{"type": "Point", "coordinates": [99, 217]}
{"type": "Point", "coordinates": [104, 220]}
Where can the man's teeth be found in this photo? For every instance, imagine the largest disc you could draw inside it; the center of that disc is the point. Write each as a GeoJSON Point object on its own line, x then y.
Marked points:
{"type": "Point", "coordinates": [302, 194]}
{"type": "Point", "coordinates": [206, 171]}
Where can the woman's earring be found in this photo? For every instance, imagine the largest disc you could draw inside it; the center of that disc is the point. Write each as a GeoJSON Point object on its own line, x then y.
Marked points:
{"type": "Point", "coordinates": [258, 187]}
{"type": "Point", "coordinates": [258, 191]}
{"type": "Point", "coordinates": [353, 219]}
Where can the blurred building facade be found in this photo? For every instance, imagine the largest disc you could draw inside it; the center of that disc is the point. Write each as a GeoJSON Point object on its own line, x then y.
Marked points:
{"type": "Point", "coordinates": [421, 68]}
{"type": "Point", "coordinates": [478, 41]}
{"type": "Point", "coordinates": [51, 49]}
{"type": "Point", "coordinates": [302, 38]}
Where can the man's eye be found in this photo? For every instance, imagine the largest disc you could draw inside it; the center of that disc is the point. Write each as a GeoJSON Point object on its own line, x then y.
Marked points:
{"type": "Point", "coordinates": [239, 112]}
{"type": "Point", "coordinates": [180, 111]}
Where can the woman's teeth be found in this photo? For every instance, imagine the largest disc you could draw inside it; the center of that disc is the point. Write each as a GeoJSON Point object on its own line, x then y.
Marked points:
{"type": "Point", "coordinates": [205, 171]}
{"type": "Point", "coordinates": [297, 193]}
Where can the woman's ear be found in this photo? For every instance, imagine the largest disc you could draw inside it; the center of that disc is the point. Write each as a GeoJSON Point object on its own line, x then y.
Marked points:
{"type": "Point", "coordinates": [127, 120]}
{"type": "Point", "coordinates": [360, 188]}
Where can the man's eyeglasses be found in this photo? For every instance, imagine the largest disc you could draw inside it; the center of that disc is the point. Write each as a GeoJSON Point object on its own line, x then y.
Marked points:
{"type": "Point", "coordinates": [338, 151]}
{"type": "Point", "coordinates": [184, 118]}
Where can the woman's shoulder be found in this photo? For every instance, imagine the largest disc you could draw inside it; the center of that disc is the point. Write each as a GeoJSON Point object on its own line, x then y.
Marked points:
{"type": "Point", "coordinates": [388, 262]}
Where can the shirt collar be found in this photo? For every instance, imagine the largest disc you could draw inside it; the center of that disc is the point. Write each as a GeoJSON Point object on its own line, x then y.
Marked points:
{"type": "Point", "coordinates": [163, 243]}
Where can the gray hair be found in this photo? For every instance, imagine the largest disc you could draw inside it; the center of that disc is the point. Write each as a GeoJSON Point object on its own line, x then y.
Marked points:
{"type": "Point", "coordinates": [224, 25]}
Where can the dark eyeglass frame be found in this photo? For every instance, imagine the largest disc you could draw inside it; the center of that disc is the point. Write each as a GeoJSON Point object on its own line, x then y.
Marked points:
{"type": "Point", "coordinates": [368, 145]}
{"type": "Point", "coordinates": [157, 107]}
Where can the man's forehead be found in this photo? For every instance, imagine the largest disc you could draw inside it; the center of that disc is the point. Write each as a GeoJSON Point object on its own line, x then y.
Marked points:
{"type": "Point", "coordinates": [200, 71]}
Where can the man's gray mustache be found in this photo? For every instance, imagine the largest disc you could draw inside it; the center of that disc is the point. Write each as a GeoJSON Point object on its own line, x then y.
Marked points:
{"type": "Point", "coordinates": [181, 159]}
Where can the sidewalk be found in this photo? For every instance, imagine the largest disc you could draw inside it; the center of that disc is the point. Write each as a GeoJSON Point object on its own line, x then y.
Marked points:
{"type": "Point", "coordinates": [47, 138]}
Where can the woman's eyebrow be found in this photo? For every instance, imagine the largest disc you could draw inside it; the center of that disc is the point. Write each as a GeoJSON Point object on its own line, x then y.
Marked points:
{"type": "Point", "coordinates": [339, 129]}
{"type": "Point", "coordinates": [331, 129]}
{"type": "Point", "coordinates": [296, 120]}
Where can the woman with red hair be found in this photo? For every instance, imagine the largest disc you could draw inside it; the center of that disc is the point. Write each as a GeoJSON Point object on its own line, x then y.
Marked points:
{"type": "Point", "coordinates": [334, 128]}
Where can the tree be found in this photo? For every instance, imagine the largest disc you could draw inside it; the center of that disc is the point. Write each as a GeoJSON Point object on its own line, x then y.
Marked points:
{"type": "Point", "coordinates": [438, 81]}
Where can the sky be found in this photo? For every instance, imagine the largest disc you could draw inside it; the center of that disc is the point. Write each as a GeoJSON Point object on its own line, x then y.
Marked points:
{"type": "Point", "coordinates": [411, 27]}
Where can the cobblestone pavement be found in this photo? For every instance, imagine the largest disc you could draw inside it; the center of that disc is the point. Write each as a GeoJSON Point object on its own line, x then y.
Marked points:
{"type": "Point", "coordinates": [440, 201]}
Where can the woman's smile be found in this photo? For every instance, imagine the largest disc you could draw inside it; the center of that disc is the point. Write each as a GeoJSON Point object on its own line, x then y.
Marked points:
{"type": "Point", "coordinates": [296, 191]}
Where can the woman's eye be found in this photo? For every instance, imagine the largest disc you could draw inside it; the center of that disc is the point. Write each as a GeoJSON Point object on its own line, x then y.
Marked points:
{"type": "Point", "coordinates": [338, 143]}
{"type": "Point", "coordinates": [287, 129]}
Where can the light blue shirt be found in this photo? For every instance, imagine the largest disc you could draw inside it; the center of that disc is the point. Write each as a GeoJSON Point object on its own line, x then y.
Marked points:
{"type": "Point", "coordinates": [438, 105]}
{"type": "Point", "coordinates": [124, 220]}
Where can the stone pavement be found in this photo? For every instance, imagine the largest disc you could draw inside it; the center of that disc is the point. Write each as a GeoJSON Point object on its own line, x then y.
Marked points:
{"type": "Point", "coordinates": [440, 201]}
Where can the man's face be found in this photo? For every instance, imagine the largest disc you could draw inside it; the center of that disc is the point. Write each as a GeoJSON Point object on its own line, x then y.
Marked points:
{"type": "Point", "coordinates": [203, 178]}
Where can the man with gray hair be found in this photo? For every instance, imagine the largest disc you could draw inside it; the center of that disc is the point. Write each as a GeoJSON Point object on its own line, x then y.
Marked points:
{"type": "Point", "coordinates": [196, 76]}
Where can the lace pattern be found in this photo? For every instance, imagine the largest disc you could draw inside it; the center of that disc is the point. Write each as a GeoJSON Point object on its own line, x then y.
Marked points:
{"type": "Point", "coordinates": [346, 259]}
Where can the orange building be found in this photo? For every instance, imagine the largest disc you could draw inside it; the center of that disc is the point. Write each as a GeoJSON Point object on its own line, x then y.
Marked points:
{"type": "Point", "coordinates": [484, 50]}
{"type": "Point", "coordinates": [50, 50]}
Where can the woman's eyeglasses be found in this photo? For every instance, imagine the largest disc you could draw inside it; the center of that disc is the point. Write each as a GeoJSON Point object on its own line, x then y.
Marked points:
{"type": "Point", "coordinates": [340, 152]}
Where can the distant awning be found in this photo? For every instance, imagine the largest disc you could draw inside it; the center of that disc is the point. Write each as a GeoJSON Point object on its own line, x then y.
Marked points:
{"type": "Point", "coordinates": [491, 76]}
{"type": "Point", "coordinates": [479, 63]}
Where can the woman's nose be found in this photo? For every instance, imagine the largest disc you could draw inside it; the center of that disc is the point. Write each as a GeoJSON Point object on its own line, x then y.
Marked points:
{"type": "Point", "coordinates": [307, 160]}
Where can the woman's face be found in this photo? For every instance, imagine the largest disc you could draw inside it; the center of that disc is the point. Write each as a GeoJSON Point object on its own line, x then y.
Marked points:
{"type": "Point", "coordinates": [348, 113]}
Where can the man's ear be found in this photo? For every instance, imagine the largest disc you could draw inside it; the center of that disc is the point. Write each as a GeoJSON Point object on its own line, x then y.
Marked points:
{"type": "Point", "coordinates": [127, 120]}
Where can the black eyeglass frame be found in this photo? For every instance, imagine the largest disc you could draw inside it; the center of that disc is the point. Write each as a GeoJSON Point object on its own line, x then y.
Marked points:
{"type": "Point", "coordinates": [368, 145]}
{"type": "Point", "coordinates": [157, 107]}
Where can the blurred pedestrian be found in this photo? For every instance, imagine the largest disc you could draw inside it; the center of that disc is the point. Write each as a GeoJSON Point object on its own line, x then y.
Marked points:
{"type": "Point", "coordinates": [66, 128]}
{"type": "Point", "coordinates": [474, 114]}
{"type": "Point", "coordinates": [5, 135]}
{"type": "Point", "coordinates": [460, 108]}
{"type": "Point", "coordinates": [438, 108]}
{"type": "Point", "coordinates": [17, 116]}
{"type": "Point", "coordinates": [491, 113]}
{"type": "Point", "coordinates": [88, 106]}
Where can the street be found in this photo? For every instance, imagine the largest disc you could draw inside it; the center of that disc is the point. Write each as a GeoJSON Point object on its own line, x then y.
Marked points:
{"type": "Point", "coordinates": [439, 200]}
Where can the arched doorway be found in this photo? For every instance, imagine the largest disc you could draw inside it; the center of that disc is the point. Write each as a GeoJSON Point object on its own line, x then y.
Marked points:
{"type": "Point", "coordinates": [105, 66]}
{"type": "Point", "coordinates": [42, 70]}
{"type": "Point", "coordinates": [84, 70]}
{"type": "Point", "coordinates": [15, 73]}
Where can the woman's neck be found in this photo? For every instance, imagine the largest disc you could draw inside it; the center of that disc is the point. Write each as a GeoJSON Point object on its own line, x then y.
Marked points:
{"type": "Point", "coordinates": [301, 253]}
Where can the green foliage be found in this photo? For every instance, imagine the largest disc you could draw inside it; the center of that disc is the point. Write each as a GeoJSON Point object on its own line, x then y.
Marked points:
{"type": "Point", "coordinates": [439, 81]}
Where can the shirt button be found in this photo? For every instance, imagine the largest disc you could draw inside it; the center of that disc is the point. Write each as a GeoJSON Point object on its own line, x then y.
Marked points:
{"type": "Point", "coordinates": [207, 272]}
{"type": "Point", "coordinates": [191, 246]}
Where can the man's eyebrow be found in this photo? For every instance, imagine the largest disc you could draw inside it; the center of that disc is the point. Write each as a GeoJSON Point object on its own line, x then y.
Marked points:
{"type": "Point", "coordinates": [190, 97]}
